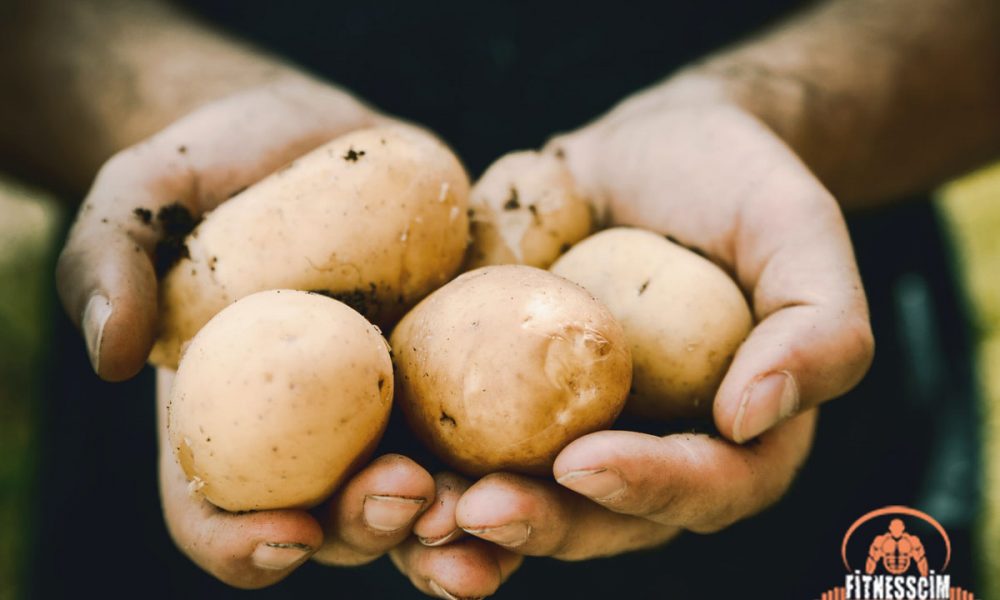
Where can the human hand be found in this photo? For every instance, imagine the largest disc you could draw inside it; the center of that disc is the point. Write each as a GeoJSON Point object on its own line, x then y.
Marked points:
{"type": "Point", "coordinates": [108, 283]}
{"type": "Point", "coordinates": [700, 169]}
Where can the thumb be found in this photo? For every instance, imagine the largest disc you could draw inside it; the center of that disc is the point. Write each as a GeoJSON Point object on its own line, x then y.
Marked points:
{"type": "Point", "coordinates": [105, 274]}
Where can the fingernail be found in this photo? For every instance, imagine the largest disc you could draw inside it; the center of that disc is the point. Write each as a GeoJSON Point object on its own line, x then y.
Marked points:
{"type": "Point", "coordinates": [390, 513]}
{"type": "Point", "coordinates": [279, 556]}
{"type": "Point", "coordinates": [440, 591]}
{"type": "Point", "coordinates": [597, 484]}
{"type": "Point", "coordinates": [443, 593]}
{"type": "Point", "coordinates": [94, 317]}
{"type": "Point", "coordinates": [438, 541]}
{"type": "Point", "coordinates": [767, 401]}
{"type": "Point", "coordinates": [510, 535]}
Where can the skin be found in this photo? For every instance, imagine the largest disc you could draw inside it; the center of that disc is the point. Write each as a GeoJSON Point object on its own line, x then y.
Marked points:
{"type": "Point", "coordinates": [788, 118]}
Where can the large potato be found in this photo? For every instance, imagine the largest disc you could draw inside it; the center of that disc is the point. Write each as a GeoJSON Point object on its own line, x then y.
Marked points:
{"type": "Point", "coordinates": [683, 316]}
{"type": "Point", "coordinates": [526, 210]}
{"type": "Point", "coordinates": [504, 366]}
{"type": "Point", "coordinates": [277, 399]}
{"type": "Point", "coordinates": [376, 218]}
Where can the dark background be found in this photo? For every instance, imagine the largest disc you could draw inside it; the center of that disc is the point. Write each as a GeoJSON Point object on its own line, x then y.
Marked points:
{"type": "Point", "coordinates": [490, 78]}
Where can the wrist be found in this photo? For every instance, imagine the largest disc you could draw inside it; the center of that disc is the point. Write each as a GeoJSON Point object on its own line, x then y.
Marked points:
{"type": "Point", "coordinates": [795, 109]}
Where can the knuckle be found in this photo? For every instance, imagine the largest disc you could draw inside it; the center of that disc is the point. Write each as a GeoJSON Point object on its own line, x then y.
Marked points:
{"type": "Point", "coordinates": [660, 505]}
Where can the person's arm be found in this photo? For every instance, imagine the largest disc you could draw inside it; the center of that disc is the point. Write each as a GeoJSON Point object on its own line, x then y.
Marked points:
{"type": "Point", "coordinates": [880, 98]}
{"type": "Point", "coordinates": [83, 80]}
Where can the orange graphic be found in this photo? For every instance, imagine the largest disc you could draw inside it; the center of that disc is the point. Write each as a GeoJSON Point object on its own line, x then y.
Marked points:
{"type": "Point", "coordinates": [896, 550]}
{"type": "Point", "coordinates": [838, 593]}
{"type": "Point", "coordinates": [891, 549]}
{"type": "Point", "coordinates": [899, 552]}
{"type": "Point", "coordinates": [834, 594]}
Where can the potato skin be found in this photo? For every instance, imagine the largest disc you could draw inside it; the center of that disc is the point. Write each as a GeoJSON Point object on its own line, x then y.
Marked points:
{"type": "Point", "coordinates": [683, 316]}
{"type": "Point", "coordinates": [526, 210]}
{"type": "Point", "coordinates": [278, 398]}
{"type": "Point", "coordinates": [376, 218]}
{"type": "Point", "coordinates": [504, 366]}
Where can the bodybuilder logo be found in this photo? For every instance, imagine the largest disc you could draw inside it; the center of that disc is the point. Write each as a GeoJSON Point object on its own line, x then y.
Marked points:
{"type": "Point", "coordinates": [896, 553]}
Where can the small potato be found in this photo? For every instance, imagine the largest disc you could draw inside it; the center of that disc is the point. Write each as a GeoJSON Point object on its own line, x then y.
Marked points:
{"type": "Point", "coordinates": [376, 218]}
{"type": "Point", "coordinates": [504, 366]}
{"type": "Point", "coordinates": [525, 210]}
{"type": "Point", "coordinates": [683, 316]}
{"type": "Point", "coordinates": [278, 398]}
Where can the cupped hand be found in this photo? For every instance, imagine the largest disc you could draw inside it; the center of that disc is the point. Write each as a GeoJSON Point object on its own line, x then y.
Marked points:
{"type": "Point", "coordinates": [107, 281]}
{"type": "Point", "coordinates": [685, 161]}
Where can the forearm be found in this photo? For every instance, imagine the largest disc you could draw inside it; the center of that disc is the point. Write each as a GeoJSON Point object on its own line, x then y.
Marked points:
{"type": "Point", "coordinates": [84, 79]}
{"type": "Point", "coordinates": [879, 97]}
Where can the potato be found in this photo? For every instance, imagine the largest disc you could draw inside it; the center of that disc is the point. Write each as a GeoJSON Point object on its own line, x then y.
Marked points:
{"type": "Point", "coordinates": [376, 218]}
{"type": "Point", "coordinates": [504, 366]}
{"type": "Point", "coordinates": [278, 398]}
{"type": "Point", "coordinates": [525, 210]}
{"type": "Point", "coordinates": [683, 316]}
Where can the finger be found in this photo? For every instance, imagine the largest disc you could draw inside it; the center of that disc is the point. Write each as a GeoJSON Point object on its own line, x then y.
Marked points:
{"type": "Point", "coordinates": [539, 518]}
{"type": "Point", "coordinates": [249, 550]}
{"type": "Point", "coordinates": [145, 200]}
{"type": "Point", "coordinates": [437, 526]}
{"type": "Point", "coordinates": [375, 510]}
{"type": "Point", "coordinates": [693, 481]}
{"type": "Point", "coordinates": [813, 340]}
{"type": "Point", "coordinates": [467, 568]}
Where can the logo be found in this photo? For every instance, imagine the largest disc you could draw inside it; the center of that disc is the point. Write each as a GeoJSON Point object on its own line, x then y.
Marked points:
{"type": "Point", "coordinates": [896, 553]}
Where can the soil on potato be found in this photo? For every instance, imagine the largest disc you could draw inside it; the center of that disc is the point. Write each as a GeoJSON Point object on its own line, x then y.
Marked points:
{"type": "Point", "coordinates": [365, 301]}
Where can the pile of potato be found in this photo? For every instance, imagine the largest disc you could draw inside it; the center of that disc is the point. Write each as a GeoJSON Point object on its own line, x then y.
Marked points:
{"type": "Point", "coordinates": [274, 320]}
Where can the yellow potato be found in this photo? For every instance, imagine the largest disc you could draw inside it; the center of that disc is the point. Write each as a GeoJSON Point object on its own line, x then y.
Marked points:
{"type": "Point", "coordinates": [376, 218]}
{"type": "Point", "coordinates": [504, 366]}
{"type": "Point", "coordinates": [278, 398]}
{"type": "Point", "coordinates": [683, 316]}
{"type": "Point", "coordinates": [525, 210]}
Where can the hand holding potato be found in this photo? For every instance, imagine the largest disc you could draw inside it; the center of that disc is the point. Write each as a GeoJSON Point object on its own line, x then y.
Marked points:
{"type": "Point", "coordinates": [107, 281]}
{"type": "Point", "coordinates": [684, 162]}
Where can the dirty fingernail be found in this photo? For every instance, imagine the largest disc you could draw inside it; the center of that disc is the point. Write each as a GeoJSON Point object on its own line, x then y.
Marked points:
{"type": "Point", "coordinates": [510, 535]}
{"type": "Point", "coordinates": [390, 513]}
{"type": "Point", "coordinates": [766, 402]}
{"type": "Point", "coordinates": [440, 540]}
{"type": "Point", "coordinates": [275, 556]}
{"type": "Point", "coordinates": [95, 315]}
{"type": "Point", "coordinates": [597, 484]}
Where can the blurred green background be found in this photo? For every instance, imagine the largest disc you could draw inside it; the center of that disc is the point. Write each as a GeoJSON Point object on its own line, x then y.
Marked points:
{"type": "Point", "coordinates": [972, 208]}
{"type": "Point", "coordinates": [29, 224]}
{"type": "Point", "coordinates": [32, 221]}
